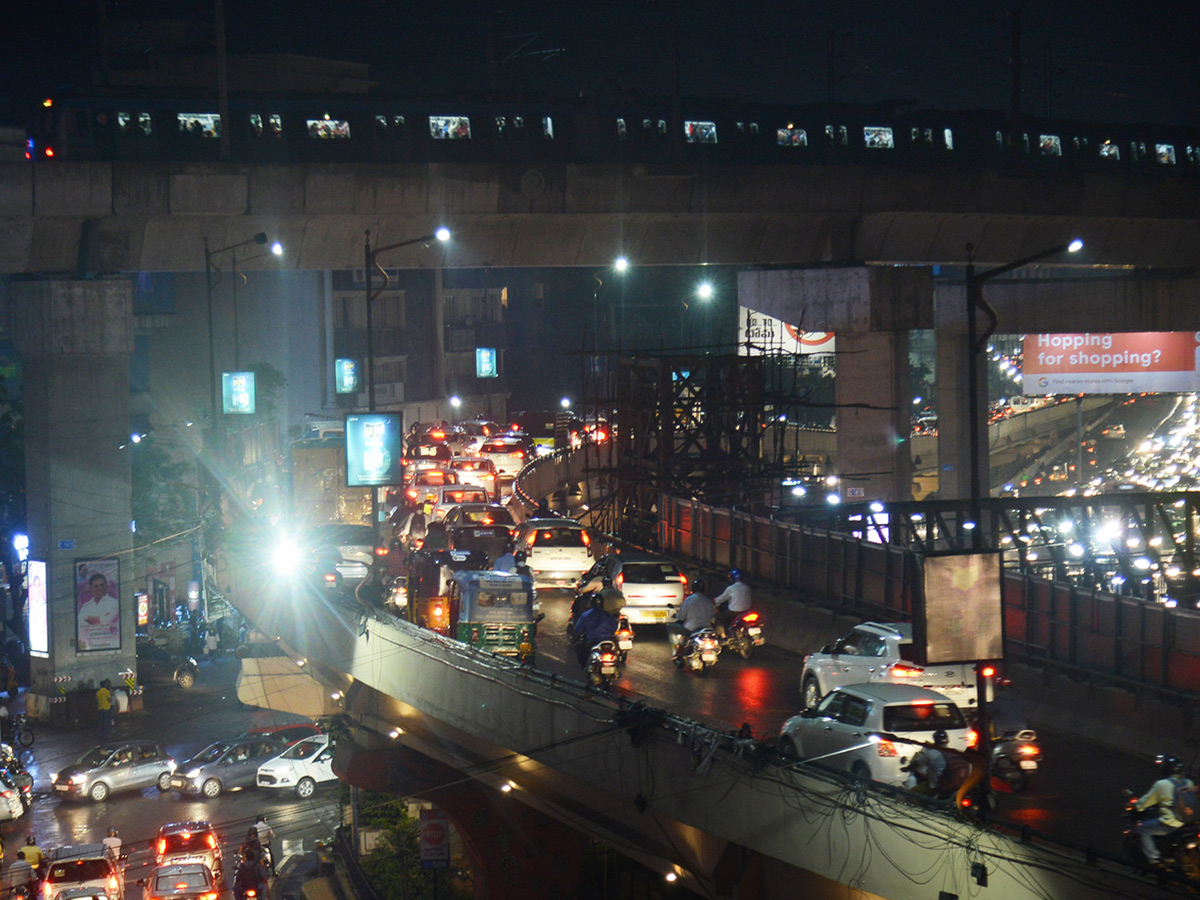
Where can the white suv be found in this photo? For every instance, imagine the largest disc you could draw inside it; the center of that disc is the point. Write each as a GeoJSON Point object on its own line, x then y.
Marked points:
{"type": "Point", "coordinates": [557, 550]}
{"type": "Point", "coordinates": [881, 652]}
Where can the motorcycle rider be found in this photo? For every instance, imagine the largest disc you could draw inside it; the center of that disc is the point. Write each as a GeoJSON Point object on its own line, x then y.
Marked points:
{"type": "Point", "coordinates": [928, 766]}
{"type": "Point", "coordinates": [33, 855]}
{"type": "Point", "coordinates": [696, 612]}
{"type": "Point", "coordinates": [112, 841]}
{"type": "Point", "coordinates": [266, 837]}
{"type": "Point", "coordinates": [508, 561]}
{"type": "Point", "coordinates": [1006, 713]}
{"type": "Point", "coordinates": [1162, 796]}
{"type": "Point", "coordinates": [732, 602]}
{"type": "Point", "coordinates": [595, 625]}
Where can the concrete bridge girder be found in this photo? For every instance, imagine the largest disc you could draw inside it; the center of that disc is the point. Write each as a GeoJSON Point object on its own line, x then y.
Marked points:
{"type": "Point", "coordinates": [150, 216]}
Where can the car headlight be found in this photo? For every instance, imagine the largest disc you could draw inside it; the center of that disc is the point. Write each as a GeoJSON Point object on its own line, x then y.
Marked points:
{"type": "Point", "coordinates": [195, 773]}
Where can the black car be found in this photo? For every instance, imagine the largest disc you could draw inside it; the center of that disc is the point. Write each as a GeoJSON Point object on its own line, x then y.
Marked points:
{"type": "Point", "coordinates": [156, 666]}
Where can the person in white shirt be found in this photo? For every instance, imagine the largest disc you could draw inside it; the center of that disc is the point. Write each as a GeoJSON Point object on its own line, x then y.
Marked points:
{"type": "Point", "coordinates": [733, 601]}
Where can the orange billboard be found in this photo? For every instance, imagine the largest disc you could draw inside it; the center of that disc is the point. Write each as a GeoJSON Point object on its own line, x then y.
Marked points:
{"type": "Point", "coordinates": [1123, 363]}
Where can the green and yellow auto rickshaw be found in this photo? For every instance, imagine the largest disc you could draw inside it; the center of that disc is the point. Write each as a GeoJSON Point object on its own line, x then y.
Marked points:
{"type": "Point", "coordinates": [494, 611]}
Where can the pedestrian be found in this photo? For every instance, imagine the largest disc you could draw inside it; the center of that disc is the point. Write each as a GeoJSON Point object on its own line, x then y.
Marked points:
{"type": "Point", "coordinates": [210, 641]}
{"type": "Point", "coordinates": [104, 700]}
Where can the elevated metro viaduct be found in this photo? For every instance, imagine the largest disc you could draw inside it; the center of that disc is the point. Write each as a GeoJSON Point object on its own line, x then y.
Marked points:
{"type": "Point", "coordinates": [849, 249]}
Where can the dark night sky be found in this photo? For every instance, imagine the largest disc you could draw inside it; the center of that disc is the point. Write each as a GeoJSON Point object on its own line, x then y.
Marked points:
{"type": "Point", "coordinates": [1108, 61]}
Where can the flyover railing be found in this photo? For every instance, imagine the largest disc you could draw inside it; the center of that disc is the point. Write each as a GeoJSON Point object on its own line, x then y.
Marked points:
{"type": "Point", "coordinates": [873, 569]}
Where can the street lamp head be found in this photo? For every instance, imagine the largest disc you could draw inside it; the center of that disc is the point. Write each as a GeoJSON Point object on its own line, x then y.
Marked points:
{"type": "Point", "coordinates": [277, 248]}
{"type": "Point", "coordinates": [1075, 246]}
{"type": "Point", "coordinates": [621, 264]}
{"type": "Point", "coordinates": [442, 234]}
{"type": "Point", "coordinates": [456, 401]}
{"type": "Point", "coordinates": [704, 290]}
{"type": "Point", "coordinates": [565, 402]}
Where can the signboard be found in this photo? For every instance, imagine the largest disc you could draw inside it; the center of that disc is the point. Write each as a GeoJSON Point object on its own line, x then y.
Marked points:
{"type": "Point", "coordinates": [374, 449]}
{"type": "Point", "coordinates": [960, 618]}
{"type": "Point", "coordinates": [66, 545]}
{"type": "Point", "coordinates": [435, 840]}
{"type": "Point", "coordinates": [237, 393]}
{"type": "Point", "coordinates": [39, 621]}
{"type": "Point", "coordinates": [345, 376]}
{"type": "Point", "coordinates": [142, 599]}
{"type": "Point", "coordinates": [97, 605]}
{"type": "Point", "coordinates": [759, 333]}
{"type": "Point", "coordinates": [485, 363]}
{"type": "Point", "coordinates": [1131, 362]}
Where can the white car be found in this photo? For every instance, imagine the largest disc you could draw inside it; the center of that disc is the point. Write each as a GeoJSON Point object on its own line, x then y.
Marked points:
{"type": "Point", "coordinates": [881, 652]}
{"type": "Point", "coordinates": [558, 551]}
{"type": "Point", "coordinates": [651, 585]}
{"type": "Point", "coordinates": [479, 472]}
{"type": "Point", "coordinates": [872, 730]}
{"type": "Point", "coordinates": [301, 767]}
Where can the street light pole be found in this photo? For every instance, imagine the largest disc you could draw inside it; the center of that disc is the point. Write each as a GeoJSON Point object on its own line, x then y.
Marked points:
{"type": "Point", "coordinates": [370, 257]}
{"type": "Point", "coordinates": [977, 425]}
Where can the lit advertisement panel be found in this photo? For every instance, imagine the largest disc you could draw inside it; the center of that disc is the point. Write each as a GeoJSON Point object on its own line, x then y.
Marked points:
{"type": "Point", "coordinates": [1125, 363]}
{"type": "Point", "coordinates": [759, 333]}
{"type": "Point", "coordinates": [961, 618]}
{"type": "Point", "coordinates": [374, 449]}
{"type": "Point", "coordinates": [237, 393]}
{"type": "Point", "coordinates": [39, 622]}
{"type": "Point", "coordinates": [345, 376]}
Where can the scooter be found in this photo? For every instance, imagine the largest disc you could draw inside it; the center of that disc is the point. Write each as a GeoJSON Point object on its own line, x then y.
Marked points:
{"type": "Point", "coordinates": [602, 664]}
{"type": "Point", "coordinates": [1015, 757]}
{"type": "Point", "coordinates": [624, 638]}
{"type": "Point", "coordinates": [1179, 851]}
{"type": "Point", "coordinates": [698, 651]}
{"type": "Point", "coordinates": [743, 634]}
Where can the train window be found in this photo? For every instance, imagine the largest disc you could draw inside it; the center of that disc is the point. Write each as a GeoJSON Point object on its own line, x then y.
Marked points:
{"type": "Point", "coordinates": [698, 132]}
{"type": "Point", "coordinates": [1141, 148]}
{"type": "Point", "coordinates": [662, 127]}
{"type": "Point", "coordinates": [501, 126]}
{"type": "Point", "coordinates": [829, 133]}
{"type": "Point", "coordinates": [916, 134]}
{"type": "Point", "coordinates": [275, 124]}
{"type": "Point", "coordinates": [1192, 155]}
{"type": "Point", "coordinates": [450, 128]}
{"type": "Point", "coordinates": [327, 128]}
{"type": "Point", "coordinates": [1050, 145]}
{"type": "Point", "coordinates": [1025, 141]}
{"type": "Point", "coordinates": [381, 124]}
{"type": "Point", "coordinates": [1165, 153]}
{"type": "Point", "coordinates": [999, 139]}
{"type": "Point", "coordinates": [791, 136]}
{"type": "Point", "coordinates": [1133, 154]}
{"type": "Point", "coordinates": [1109, 150]}
{"type": "Point", "coordinates": [647, 125]}
{"type": "Point", "coordinates": [200, 124]}
{"type": "Point", "coordinates": [399, 126]}
{"type": "Point", "coordinates": [929, 136]}
{"type": "Point", "coordinates": [124, 123]}
{"type": "Point", "coordinates": [547, 128]}
{"type": "Point", "coordinates": [256, 124]}
{"type": "Point", "coordinates": [843, 136]}
{"type": "Point", "coordinates": [878, 137]}
{"type": "Point", "coordinates": [622, 130]}
{"type": "Point", "coordinates": [518, 125]}
{"type": "Point", "coordinates": [948, 137]}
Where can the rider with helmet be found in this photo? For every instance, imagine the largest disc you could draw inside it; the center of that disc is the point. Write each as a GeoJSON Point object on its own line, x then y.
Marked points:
{"type": "Point", "coordinates": [928, 765]}
{"type": "Point", "coordinates": [733, 601]}
{"type": "Point", "coordinates": [1161, 797]}
{"type": "Point", "coordinates": [112, 841]}
{"type": "Point", "coordinates": [596, 624]}
{"type": "Point", "coordinates": [695, 613]}
{"type": "Point", "coordinates": [508, 561]}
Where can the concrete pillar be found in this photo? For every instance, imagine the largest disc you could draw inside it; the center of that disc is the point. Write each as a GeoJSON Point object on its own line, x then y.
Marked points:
{"type": "Point", "coordinates": [954, 437]}
{"type": "Point", "coordinates": [75, 339]}
{"type": "Point", "coordinates": [871, 309]}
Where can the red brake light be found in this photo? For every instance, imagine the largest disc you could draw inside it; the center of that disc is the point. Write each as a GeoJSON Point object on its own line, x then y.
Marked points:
{"type": "Point", "coordinates": [586, 540]}
{"type": "Point", "coordinates": [211, 840]}
{"type": "Point", "coordinates": [520, 454]}
{"type": "Point", "coordinates": [988, 671]}
{"type": "Point", "coordinates": [49, 152]}
{"type": "Point", "coordinates": [607, 657]}
{"type": "Point", "coordinates": [900, 670]}
{"type": "Point", "coordinates": [162, 846]}
{"type": "Point", "coordinates": [750, 617]}
{"type": "Point", "coordinates": [620, 579]}
{"type": "Point", "coordinates": [887, 749]}
{"type": "Point", "coordinates": [1028, 750]}
{"type": "Point", "coordinates": [972, 738]}
{"type": "Point", "coordinates": [381, 551]}
{"type": "Point", "coordinates": [412, 494]}
{"type": "Point", "coordinates": [181, 885]}
{"type": "Point", "coordinates": [437, 435]}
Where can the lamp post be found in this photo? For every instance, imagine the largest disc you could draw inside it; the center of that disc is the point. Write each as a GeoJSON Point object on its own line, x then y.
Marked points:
{"type": "Point", "coordinates": [370, 257]}
{"type": "Point", "coordinates": [276, 250]}
{"type": "Point", "coordinates": [975, 345]}
{"type": "Point", "coordinates": [260, 238]}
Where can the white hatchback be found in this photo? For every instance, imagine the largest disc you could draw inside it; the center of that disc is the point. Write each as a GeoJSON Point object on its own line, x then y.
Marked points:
{"type": "Point", "coordinates": [558, 551]}
{"type": "Point", "coordinates": [301, 767]}
{"type": "Point", "coordinates": [872, 730]}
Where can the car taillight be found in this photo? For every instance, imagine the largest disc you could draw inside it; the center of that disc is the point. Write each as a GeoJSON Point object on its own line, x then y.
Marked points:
{"type": "Point", "coordinates": [411, 494]}
{"type": "Point", "coordinates": [112, 884]}
{"type": "Point", "coordinates": [750, 618]}
{"type": "Point", "coordinates": [211, 840]}
{"type": "Point", "coordinates": [900, 670]}
{"type": "Point", "coordinates": [1028, 750]}
{"type": "Point", "coordinates": [972, 738]}
{"type": "Point", "coordinates": [162, 846]}
{"type": "Point", "coordinates": [211, 895]}
{"type": "Point", "coordinates": [586, 539]}
{"type": "Point", "coordinates": [381, 551]}
{"type": "Point", "coordinates": [887, 749]}
{"type": "Point", "coordinates": [620, 579]}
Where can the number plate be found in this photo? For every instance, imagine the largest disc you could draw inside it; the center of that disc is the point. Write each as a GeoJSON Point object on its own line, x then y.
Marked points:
{"type": "Point", "coordinates": [62, 787]}
{"type": "Point", "coordinates": [625, 645]}
{"type": "Point", "coordinates": [659, 615]}
{"type": "Point", "coordinates": [708, 656]}
{"type": "Point", "coordinates": [1028, 764]}
{"type": "Point", "coordinates": [754, 632]}
{"type": "Point", "coordinates": [608, 670]}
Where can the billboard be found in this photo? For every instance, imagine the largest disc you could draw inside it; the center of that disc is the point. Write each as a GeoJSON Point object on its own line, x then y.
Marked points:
{"type": "Point", "coordinates": [39, 622]}
{"type": "Point", "coordinates": [759, 333]}
{"type": "Point", "coordinates": [345, 376]}
{"type": "Point", "coordinates": [1123, 363]}
{"type": "Point", "coordinates": [960, 618]}
{"type": "Point", "coordinates": [97, 605]}
{"type": "Point", "coordinates": [374, 449]}
{"type": "Point", "coordinates": [485, 363]}
{"type": "Point", "coordinates": [237, 393]}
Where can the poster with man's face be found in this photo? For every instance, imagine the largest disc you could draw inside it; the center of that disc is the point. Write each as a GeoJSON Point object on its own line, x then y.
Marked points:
{"type": "Point", "coordinates": [97, 605]}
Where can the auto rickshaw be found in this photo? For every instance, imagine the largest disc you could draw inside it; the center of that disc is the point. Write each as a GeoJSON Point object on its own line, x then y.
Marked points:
{"type": "Point", "coordinates": [494, 611]}
{"type": "Point", "coordinates": [428, 586]}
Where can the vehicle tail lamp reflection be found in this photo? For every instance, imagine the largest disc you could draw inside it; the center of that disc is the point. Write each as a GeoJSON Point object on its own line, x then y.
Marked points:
{"type": "Point", "coordinates": [887, 749]}
{"type": "Point", "coordinates": [900, 670]}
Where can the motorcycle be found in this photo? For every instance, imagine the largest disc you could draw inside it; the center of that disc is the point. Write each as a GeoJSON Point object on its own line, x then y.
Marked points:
{"type": "Point", "coordinates": [743, 634]}
{"type": "Point", "coordinates": [1015, 757]}
{"type": "Point", "coordinates": [1179, 851]}
{"type": "Point", "coordinates": [602, 664]}
{"type": "Point", "coordinates": [624, 638]}
{"type": "Point", "coordinates": [698, 651]}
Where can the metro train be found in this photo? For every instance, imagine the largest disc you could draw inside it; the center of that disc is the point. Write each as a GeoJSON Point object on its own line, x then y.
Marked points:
{"type": "Point", "coordinates": [276, 129]}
